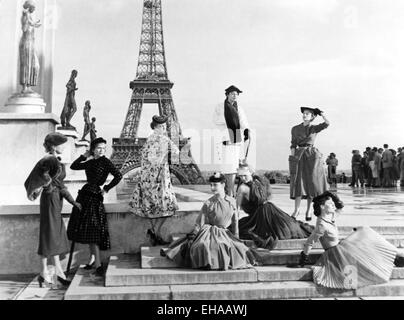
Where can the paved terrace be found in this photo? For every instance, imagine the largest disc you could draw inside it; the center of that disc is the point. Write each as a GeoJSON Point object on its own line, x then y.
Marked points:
{"type": "Point", "coordinates": [367, 207]}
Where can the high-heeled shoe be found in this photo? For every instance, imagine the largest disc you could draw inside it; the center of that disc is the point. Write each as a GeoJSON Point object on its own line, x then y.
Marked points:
{"type": "Point", "coordinates": [64, 282]}
{"type": "Point", "coordinates": [308, 218]}
{"type": "Point", "coordinates": [89, 266]}
{"type": "Point", "coordinates": [42, 281]}
{"type": "Point", "coordinates": [100, 271]}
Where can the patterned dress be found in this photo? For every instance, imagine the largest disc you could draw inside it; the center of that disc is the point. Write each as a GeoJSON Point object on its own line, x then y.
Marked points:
{"type": "Point", "coordinates": [90, 226]}
{"type": "Point", "coordinates": [154, 196]}
{"type": "Point", "coordinates": [46, 179]}
{"type": "Point", "coordinates": [214, 246]}
{"type": "Point", "coordinates": [265, 219]}
{"type": "Point", "coordinates": [363, 258]}
{"type": "Point", "coordinates": [308, 177]}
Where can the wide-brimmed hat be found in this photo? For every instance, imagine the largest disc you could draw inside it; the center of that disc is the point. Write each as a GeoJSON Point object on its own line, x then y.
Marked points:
{"type": "Point", "coordinates": [232, 88]}
{"type": "Point", "coordinates": [315, 111]}
{"type": "Point", "coordinates": [55, 139]}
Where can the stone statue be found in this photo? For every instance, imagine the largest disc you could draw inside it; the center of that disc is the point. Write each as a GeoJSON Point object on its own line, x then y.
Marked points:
{"type": "Point", "coordinates": [93, 132]}
{"type": "Point", "coordinates": [87, 123]}
{"type": "Point", "coordinates": [29, 63]}
{"type": "Point", "coordinates": [70, 107]}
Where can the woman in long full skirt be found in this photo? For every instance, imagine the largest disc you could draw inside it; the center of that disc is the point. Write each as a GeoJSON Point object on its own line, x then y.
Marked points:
{"type": "Point", "coordinates": [211, 245]}
{"type": "Point", "coordinates": [308, 177]}
{"type": "Point", "coordinates": [265, 223]}
{"type": "Point", "coordinates": [90, 226]}
{"type": "Point", "coordinates": [153, 196]}
{"type": "Point", "coordinates": [363, 258]}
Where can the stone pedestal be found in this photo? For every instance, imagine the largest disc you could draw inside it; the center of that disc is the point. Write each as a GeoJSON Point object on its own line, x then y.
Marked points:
{"type": "Point", "coordinates": [69, 153]}
{"type": "Point", "coordinates": [25, 103]}
{"type": "Point", "coordinates": [21, 141]}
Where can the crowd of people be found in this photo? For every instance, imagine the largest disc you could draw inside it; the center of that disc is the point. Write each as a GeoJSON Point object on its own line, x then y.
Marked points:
{"type": "Point", "coordinates": [378, 167]}
{"type": "Point", "coordinates": [216, 241]}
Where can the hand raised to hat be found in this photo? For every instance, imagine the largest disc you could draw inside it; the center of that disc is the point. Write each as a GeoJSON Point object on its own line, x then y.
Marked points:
{"type": "Point", "coordinates": [318, 112]}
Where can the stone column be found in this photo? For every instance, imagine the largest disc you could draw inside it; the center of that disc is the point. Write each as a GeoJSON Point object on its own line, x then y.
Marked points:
{"type": "Point", "coordinates": [25, 122]}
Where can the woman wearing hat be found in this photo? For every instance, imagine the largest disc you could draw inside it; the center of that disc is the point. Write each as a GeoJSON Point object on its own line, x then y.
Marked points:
{"type": "Point", "coordinates": [154, 196]}
{"type": "Point", "coordinates": [266, 222]}
{"type": "Point", "coordinates": [90, 226]}
{"type": "Point", "coordinates": [46, 179]}
{"type": "Point", "coordinates": [363, 258]}
{"type": "Point", "coordinates": [230, 119]}
{"type": "Point", "coordinates": [307, 172]}
{"type": "Point", "coordinates": [211, 245]}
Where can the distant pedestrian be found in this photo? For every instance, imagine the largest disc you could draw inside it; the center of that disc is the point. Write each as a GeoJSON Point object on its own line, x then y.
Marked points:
{"type": "Point", "coordinates": [356, 169]}
{"type": "Point", "coordinates": [332, 163]}
{"type": "Point", "coordinates": [387, 161]}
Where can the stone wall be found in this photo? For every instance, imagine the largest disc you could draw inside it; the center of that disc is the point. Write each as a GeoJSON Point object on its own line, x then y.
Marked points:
{"type": "Point", "coordinates": [19, 231]}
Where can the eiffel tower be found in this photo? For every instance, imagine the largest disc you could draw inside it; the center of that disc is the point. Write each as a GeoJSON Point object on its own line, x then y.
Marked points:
{"type": "Point", "coordinates": [152, 86]}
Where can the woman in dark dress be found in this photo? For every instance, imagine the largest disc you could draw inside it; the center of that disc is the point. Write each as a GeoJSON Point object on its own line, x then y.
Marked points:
{"type": "Point", "coordinates": [308, 177]}
{"type": "Point", "coordinates": [266, 222]}
{"type": "Point", "coordinates": [47, 179]}
{"type": "Point", "coordinates": [90, 226]}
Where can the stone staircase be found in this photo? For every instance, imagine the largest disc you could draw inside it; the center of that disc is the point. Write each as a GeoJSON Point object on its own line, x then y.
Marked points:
{"type": "Point", "coordinates": [149, 276]}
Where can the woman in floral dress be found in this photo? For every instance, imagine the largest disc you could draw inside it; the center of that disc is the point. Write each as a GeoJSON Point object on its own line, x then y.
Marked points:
{"type": "Point", "coordinates": [153, 196]}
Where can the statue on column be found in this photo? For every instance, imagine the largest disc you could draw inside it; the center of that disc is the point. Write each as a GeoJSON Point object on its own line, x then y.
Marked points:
{"type": "Point", "coordinates": [29, 63]}
{"type": "Point", "coordinates": [70, 106]}
{"type": "Point", "coordinates": [87, 122]}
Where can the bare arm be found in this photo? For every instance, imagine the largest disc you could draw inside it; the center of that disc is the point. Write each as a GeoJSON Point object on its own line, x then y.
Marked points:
{"type": "Point", "coordinates": [241, 193]}
{"type": "Point", "coordinates": [325, 119]}
{"type": "Point", "coordinates": [234, 223]}
{"type": "Point", "coordinates": [314, 237]}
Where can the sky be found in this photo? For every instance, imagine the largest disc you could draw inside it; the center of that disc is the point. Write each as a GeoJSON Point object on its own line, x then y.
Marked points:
{"type": "Point", "coordinates": [344, 57]}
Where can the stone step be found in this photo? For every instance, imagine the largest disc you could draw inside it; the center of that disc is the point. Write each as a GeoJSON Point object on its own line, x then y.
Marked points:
{"type": "Point", "coordinates": [124, 270]}
{"type": "Point", "coordinates": [151, 258]}
{"type": "Point", "coordinates": [86, 286]}
{"type": "Point", "coordinates": [383, 230]}
{"type": "Point", "coordinates": [290, 244]}
{"type": "Point", "coordinates": [278, 290]}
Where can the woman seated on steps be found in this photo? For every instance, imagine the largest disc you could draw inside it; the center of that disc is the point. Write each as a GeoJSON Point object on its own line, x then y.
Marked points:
{"type": "Point", "coordinates": [363, 258]}
{"type": "Point", "coordinates": [211, 245]}
{"type": "Point", "coordinates": [265, 223]}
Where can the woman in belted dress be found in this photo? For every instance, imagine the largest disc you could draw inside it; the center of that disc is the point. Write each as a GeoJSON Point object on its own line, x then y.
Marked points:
{"type": "Point", "coordinates": [308, 177]}
{"type": "Point", "coordinates": [361, 259]}
{"type": "Point", "coordinates": [46, 179]}
{"type": "Point", "coordinates": [211, 245]}
{"type": "Point", "coordinates": [90, 226]}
